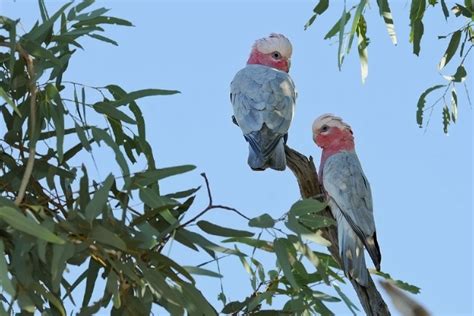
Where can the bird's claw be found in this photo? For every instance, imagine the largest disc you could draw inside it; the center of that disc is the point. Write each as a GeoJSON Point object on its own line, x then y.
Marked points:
{"type": "Point", "coordinates": [234, 120]}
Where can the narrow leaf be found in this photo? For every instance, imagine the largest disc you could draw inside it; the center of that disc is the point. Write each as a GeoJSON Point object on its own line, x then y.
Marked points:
{"type": "Point", "coordinates": [459, 76]}
{"type": "Point", "coordinates": [105, 236]}
{"type": "Point", "coordinates": [401, 284]}
{"type": "Point", "coordinates": [306, 206]}
{"type": "Point", "coordinates": [217, 230]}
{"type": "Point", "coordinates": [362, 44]}
{"type": "Point", "coordinates": [451, 49]}
{"type": "Point", "coordinates": [7, 99]}
{"type": "Point", "coordinates": [355, 23]}
{"type": "Point", "coordinates": [454, 106]}
{"type": "Point", "coordinates": [132, 96]}
{"type": "Point", "coordinates": [446, 119]}
{"type": "Point", "coordinates": [445, 9]}
{"type": "Point", "coordinates": [262, 221]}
{"type": "Point", "coordinates": [421, 103]}
{"type": "Point", "coordinates": [336, 27]}
{"type": "Point", "coordinates": [352, 307]}
{"type": "Point", "coordinates": [5, 281]}
{"type": "Point", "coordinates": [95, 206]}
{"type": "Point", "coordinates": [284, 251]}
{"type": "Point", "coordinates": [384, 10]}
{"type": "Point", "coordinates": [112, 111]}
{"type": "Point", "coordinates": [25, 224]}
{"type": "Point", "coordinates": [201, 271]}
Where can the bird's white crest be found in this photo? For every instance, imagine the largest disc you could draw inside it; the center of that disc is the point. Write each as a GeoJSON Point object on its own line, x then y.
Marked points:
{"type": "Point", "coordinates": [329, 120]}
{"type": "Point", "coordinates": [274, 42]}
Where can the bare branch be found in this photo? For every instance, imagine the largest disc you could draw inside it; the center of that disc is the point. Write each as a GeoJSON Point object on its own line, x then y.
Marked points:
{"type": "Point", "coordinates": [32, 151]}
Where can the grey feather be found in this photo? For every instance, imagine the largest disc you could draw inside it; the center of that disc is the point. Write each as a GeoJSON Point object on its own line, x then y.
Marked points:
{"type": "Point", "coordinates": [263, 100]}
{"type": "Point", "coordinates": [351, 201]}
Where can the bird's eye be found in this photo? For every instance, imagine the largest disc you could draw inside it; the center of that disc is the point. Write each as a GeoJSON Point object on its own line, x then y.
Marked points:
{"type": "Point", "coordinates": [276, 55]}
{"type": "Point", "coordinates": [324, 128]}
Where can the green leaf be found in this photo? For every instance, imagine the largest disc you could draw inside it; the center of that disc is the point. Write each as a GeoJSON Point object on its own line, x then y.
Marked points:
{"type": "Point", "coordinates": [317, 221]}
{"type": "Point", "coordinates": [154, 200]}
{"type": "Point", "coordinates": [25, 224]}
{"type": "Point", "coordinates": [446, 119]}
{"type": "Point", "coordinates": [454, 106]}
{"type": "Point", "coordinates": [340, 52]}
{"type": "Point", "coordinates": [362, 44]}
{"type": "Point", "coordinates": [92, 273]}
{"type": "Point", "coordinates": [384, 10]}
{"type": "Point", "coordinates": [105, 236]}
{"type": "Point", "coordinates": [418, 30]}
{"type": "Point", "coordinates": [284, 251]}
{"type": "Point", "coordinates": [142, 179]}
{"type": "Point", "coordinates": [445, 9]}
{"type": "Point", "coordinates": [57, 114]}
{"type": "Point", "coordinates": [336, 27]}
{"type": "Point", "coordinates": [306, 206]}
{"type": "Point", "coordinates": [213, 229]}
{"type": "Point", "coordinates": [195, 302]}
{"type": "Point", "coordinates": [43, 10]}
{"type": "Point", "coordinates": [101, 196]}
{"type": "Point", "coordinates": [257, 243]}
{"type": "Point", "coordinates": [355, 23]}
{"type": "Point", "coordinates": [352, 307]}
{"type": "Point", "coordinates": [102, 20]}
{"type": "Point", "coordinates": [103, 39]}
{"type": "Point", "coordinates": [206, 244]}
{"type": "Point", "coordinates": [451, 49]}
{"type": "Point", "coordinates": [112, 111]}
{"type": "Point", "coordinates": [262, 221]}
{"type": "Point", "coordinates": [82, 137]}
{"type": "Point", "coordinates": [422, 101]}
{"type": "Point", "coordinates": [40, 52]}
{"type": "Point", "coordinates": [201, 271]}
{"type": "Point", "coordinates": [5, 281]}
{"type": "Point", "coordinates": [320, 8]}
{"type": "Point", "coordinates": [310, 21]}
{"type": "Point", "coordinates": [5, 96]}
{"type": "Point", "coordinates": [39, 32]}
{"type": "Point", "coordinates": [459, 76]}
{"type": "Point", "coordinates": [99, 135]}
{"type": "Point", "coordinates": [401, 284]}
{"type": "Point", "coordinates": [132, 96]}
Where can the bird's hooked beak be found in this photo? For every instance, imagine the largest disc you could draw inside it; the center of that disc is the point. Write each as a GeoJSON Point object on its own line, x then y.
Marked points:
{"type": "Point", "coordinates": [288, 64]}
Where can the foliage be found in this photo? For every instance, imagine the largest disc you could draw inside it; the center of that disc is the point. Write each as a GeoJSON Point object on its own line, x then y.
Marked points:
{"type": "Point", "coordinates": [56, 216]}
{"type": "Point", "coordinates": [461, 41]}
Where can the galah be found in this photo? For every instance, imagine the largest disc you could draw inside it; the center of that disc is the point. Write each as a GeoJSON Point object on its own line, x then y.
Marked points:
{"type": "Point", "coordinates": [349, 196]}
{"type": "Point", "coordinates": [263, 98]}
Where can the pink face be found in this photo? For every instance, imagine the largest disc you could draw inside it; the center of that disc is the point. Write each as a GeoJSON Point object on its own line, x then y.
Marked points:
{"type": "Point", "coordinates": [274, 60]}
{"type": "Point", "coordinates": [328, 136]}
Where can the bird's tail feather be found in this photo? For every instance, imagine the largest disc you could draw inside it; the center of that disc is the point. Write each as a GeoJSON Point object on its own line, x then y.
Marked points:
{"type": "Point", "coordinates": [266, 150]}
{"type": "Point", "coordinates": [352, 255]}
{"type": "Point", "coordinates": [373, 249]}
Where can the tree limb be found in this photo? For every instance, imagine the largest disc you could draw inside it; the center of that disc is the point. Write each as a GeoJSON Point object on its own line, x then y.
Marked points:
{"type": "Point", "coordinates": [307, 177]}
{"type": "Point", "coordinates": [33, 90]}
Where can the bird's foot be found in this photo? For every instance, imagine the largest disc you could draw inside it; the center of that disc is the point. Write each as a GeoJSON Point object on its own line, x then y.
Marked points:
{"type": "Point", "coordinates": [234, 120]}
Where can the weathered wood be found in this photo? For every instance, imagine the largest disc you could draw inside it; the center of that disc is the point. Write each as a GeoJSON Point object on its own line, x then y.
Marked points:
{"type": "Point", "coordinates": [308, 182]}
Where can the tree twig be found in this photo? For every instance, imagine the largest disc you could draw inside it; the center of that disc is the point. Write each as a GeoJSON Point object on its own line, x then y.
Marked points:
{"type": "Point", "coordinates": [211, 206]}
{"type": "Point", "coordinates": [305, 172]}
{"type": "Point", "coordinates": [32, 150]}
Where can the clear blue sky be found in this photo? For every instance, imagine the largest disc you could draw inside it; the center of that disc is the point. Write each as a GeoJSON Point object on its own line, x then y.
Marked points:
{"type": "Point", "coordinates": [421, 181]}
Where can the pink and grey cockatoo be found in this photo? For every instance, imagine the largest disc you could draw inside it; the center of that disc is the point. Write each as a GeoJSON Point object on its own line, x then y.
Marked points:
{"type": "Point", "coordinates": [349, 196]}
{"type": "Point", "coordinates": [263, 98]}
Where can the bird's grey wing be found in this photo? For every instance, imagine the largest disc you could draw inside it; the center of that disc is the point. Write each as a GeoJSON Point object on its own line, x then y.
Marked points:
{"type": "Point", "coordinates": [261, 94]}
{"type": "Point", "coordinates": [349, 189]}
{"type": "Point", "coordinates": [346, 184]}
